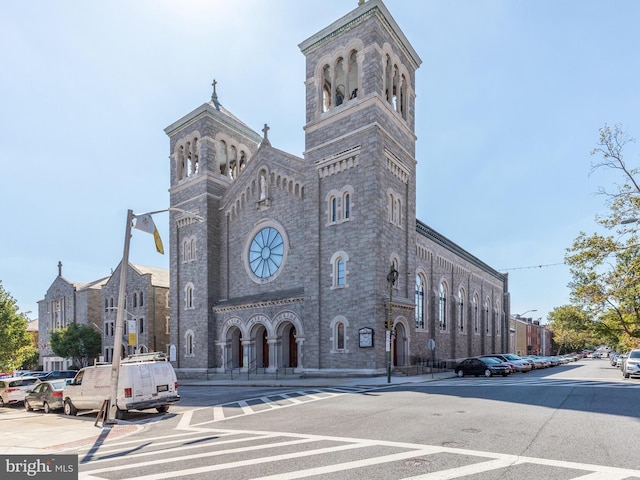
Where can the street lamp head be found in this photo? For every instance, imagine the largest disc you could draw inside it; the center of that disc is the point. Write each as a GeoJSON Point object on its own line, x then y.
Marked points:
{"type": "Point", "coordinates": [518, 315]}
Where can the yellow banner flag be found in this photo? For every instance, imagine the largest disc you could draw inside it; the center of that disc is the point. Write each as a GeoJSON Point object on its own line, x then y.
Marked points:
{"type": "Point", "coordinates": [146, 224]}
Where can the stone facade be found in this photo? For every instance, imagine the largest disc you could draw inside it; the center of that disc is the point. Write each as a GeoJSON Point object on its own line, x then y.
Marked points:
{"type": "Point", "coordinates": [64, 303]}
{"type": "Point", "coordinates": [146, 321]}
{"type": "Point", "coordinates": [300, 263]}
{"type": "Point", "coordinates": [94, 304]}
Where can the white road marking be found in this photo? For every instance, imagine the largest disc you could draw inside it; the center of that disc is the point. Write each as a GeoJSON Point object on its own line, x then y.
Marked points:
{"type": "Point", "coordinates": [492, 460]}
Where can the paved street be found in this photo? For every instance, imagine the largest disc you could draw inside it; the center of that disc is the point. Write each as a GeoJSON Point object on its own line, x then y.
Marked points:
{"type": "Point", "coordinates": [560, 423]}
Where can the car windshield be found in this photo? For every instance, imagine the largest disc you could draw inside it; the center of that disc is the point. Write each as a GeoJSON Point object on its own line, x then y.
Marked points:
{"type": "Point", "coordinates": [634, 354]}
{"type": "Point", "coordinates": [511, 356]}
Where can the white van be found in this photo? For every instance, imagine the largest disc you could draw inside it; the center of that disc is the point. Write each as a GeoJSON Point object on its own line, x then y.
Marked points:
{"type": "Point", "coordinates": [144, 381]}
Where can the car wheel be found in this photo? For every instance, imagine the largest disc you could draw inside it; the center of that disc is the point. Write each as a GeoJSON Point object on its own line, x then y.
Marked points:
{"type": "Point", "coordinates": [487, 373]}
{"type": "Point", "coordinates": [505, 374]}
{"type": "Point", "coordinates": [625, 375]}
{"type": "Point", "coordinates": [163, 409]}
{"type": "Point", "coordinates": [45, 407]}
{"type": "Point", "coordinates": [27, 406]}
{"type": "Point", "coordinates": [69, 409]}
{"type": "Point", "coordinates": [120, 414]}
{"type": "Point", "coordinates": [460, 373]}
{"type": "Point", "coordinates": [2, 402]}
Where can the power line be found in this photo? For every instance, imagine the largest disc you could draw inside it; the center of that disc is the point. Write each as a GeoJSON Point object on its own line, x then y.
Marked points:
{"type": "Point", "coordinates": [532, 266]}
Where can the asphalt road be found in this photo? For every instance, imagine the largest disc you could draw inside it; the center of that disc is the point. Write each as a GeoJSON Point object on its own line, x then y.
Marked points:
{"type": "Point", "coordinates": [569, 422]}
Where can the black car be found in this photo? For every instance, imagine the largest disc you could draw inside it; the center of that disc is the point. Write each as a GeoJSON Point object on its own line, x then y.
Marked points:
{"type": "Point", "coordinates": [58, 374]}
{"type": "Point", "coordinates": [481, 366]}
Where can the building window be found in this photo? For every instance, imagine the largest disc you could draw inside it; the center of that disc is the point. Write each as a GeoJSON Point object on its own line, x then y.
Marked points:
{"type": "Point", "coordinates": [442, 307]}
{"type": "Point", "coordinates": [141, 325]}
{"type": "Point", "coordinates": [340, 336]}
{"type": "Point", "coordinates": [461, 296]}
{"type": "Point", "coordinates": [334, 209]}
{"type": "Point", "coordinates": [419, 312]}
{"type": "Point", "coordinates": [346, 206]}
{"type": "Point", "coordinates": [167, 325]}
{"type": "Point", "coordinates": [188, 296]}
{"type": "Point", "coordinates": [188, 343]}
{"type": "Point", "coordinates": [498, 319]}
{"type": "Point", "coordinates": [339, 327]}
{"type": "Point", "coordinates": [476, 315]}
{"type": "Point", "coordinates": [486, 316]}
{"type": "Point", "coordinates": [339, 270]}
{"type": "Point", "coordinates": [141, 299]}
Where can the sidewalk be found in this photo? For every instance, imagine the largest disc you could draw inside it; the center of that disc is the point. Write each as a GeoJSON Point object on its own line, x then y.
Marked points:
{"type": "Point", "coordinates": [296, 381]}
{"type": "Point", "coordinates": [36, 433]}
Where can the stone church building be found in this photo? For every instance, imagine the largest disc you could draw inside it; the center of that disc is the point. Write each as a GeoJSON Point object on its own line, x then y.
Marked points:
{"type": "Point", "coordinates": [301, 263]}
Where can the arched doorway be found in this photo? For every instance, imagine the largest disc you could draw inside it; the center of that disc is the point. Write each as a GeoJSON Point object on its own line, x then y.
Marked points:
{"type": "Point", "coordinates": [235, 354]}
{"type": "Point", "coordinates": [400, 354]}
{"type": "Point", "coordinates": [262, 348]}
{"type": "Point", "coordinates": [289, 346]}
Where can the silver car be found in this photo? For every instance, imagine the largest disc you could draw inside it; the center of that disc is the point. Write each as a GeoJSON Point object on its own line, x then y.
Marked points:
{"type": "Point", "coordinates": [46, 395]}
{"type": "Point", "coordinates": [631, 364]}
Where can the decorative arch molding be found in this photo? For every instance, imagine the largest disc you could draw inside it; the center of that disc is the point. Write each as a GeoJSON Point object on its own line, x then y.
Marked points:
{"type": "Point", "coordinates": [259, 320]}
{"type": "Point", "coordinates": [231, 324]}
{"type": "Point", "coordinates": [288, 316]}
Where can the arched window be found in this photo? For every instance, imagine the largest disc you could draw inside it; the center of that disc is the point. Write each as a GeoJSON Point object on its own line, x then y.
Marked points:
{"type": "Point", "coordinates": [346, 206]}
{"type": "Point", "coordinates": [188, 296]}
{"type": "Point", "coordinates": [498, 319]}
{"type": "Point", "coordinates": [141, 299]}
{"type": "Point", "coordinates": [442, 307]}
{"type": "Point", "coordinates": [339, 326]}
{"type": "Point", "coordinates": [476, 315]}
{"type": "Point", "coordinates": [334, 210]}
{"type": "Point", "coordinates": [340, 336]}
{"type": "Point", "coordinates": [419, 312]}
{"type": "Point", "coordinates": [461, 296]}
{"type": "Point", "coordinates": [353, 75]}
{"type": "Point", "coordinates": [339, 270]}
{"type": "Point", "coordinates": [188, 343]}
{"type": "Point", "coordinates": [340, 82]}
{"type": "Point", "coordinates": [487, 304]}
{"type": "Point", "coordinates": [326, 88]}
{"type": "Point", "coordinates": [135, 299]}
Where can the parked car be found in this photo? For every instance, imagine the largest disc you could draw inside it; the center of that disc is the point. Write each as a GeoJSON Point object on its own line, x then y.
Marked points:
{"type": "Point", "coordinates": [13, 389]}
{"type": "Point", "coordinates": [56, 374]}
{"type": "Point", "coordinates": [46, 395]}
{"type": "Point", "coordinates": [481, 366]}
{"type": "Point", "coordinates": [519, 364]}
{"type": "Point", "coordinates": [632, 364]}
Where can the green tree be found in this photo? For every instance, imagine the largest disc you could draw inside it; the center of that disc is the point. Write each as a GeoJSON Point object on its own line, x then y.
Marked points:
{"type": "Point", "coordinates": [572, 328]}
{"type": "Point", "coordinates": [15, 343]}
{"type": "Point", "coordinates": [606, 267]}
{"type": "Point", "coordinates": [79, 342]}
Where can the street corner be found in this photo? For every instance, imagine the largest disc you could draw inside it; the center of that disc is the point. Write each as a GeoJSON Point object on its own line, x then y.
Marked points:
{"type": "Point", "coordinates": [96, 437]}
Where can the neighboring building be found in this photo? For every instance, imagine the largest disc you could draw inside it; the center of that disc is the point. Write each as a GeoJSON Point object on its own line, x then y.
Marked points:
{"type": "Point", "coordinates": [93, 304]}
{"type": "Point", "coordinates": [290, 267]}
{"type": "Point", "coordinates": [530, 338]}
{"type": "Point", "coordinates": [66, 302]}
{"type": "Point", "coordinates": [146, 320]}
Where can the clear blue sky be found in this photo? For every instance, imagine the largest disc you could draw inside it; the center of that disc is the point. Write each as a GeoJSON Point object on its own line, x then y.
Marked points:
{"type": "Point", "coordinates": [511, 94]}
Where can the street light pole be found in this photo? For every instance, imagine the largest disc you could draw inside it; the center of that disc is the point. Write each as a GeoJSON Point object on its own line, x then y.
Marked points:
{"type": "Point", "coordinates": [117, 341]}
{"type": "Point", "coordinates": [392, 276]}
{"type": "Point", "coordinates": [119, 330]}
